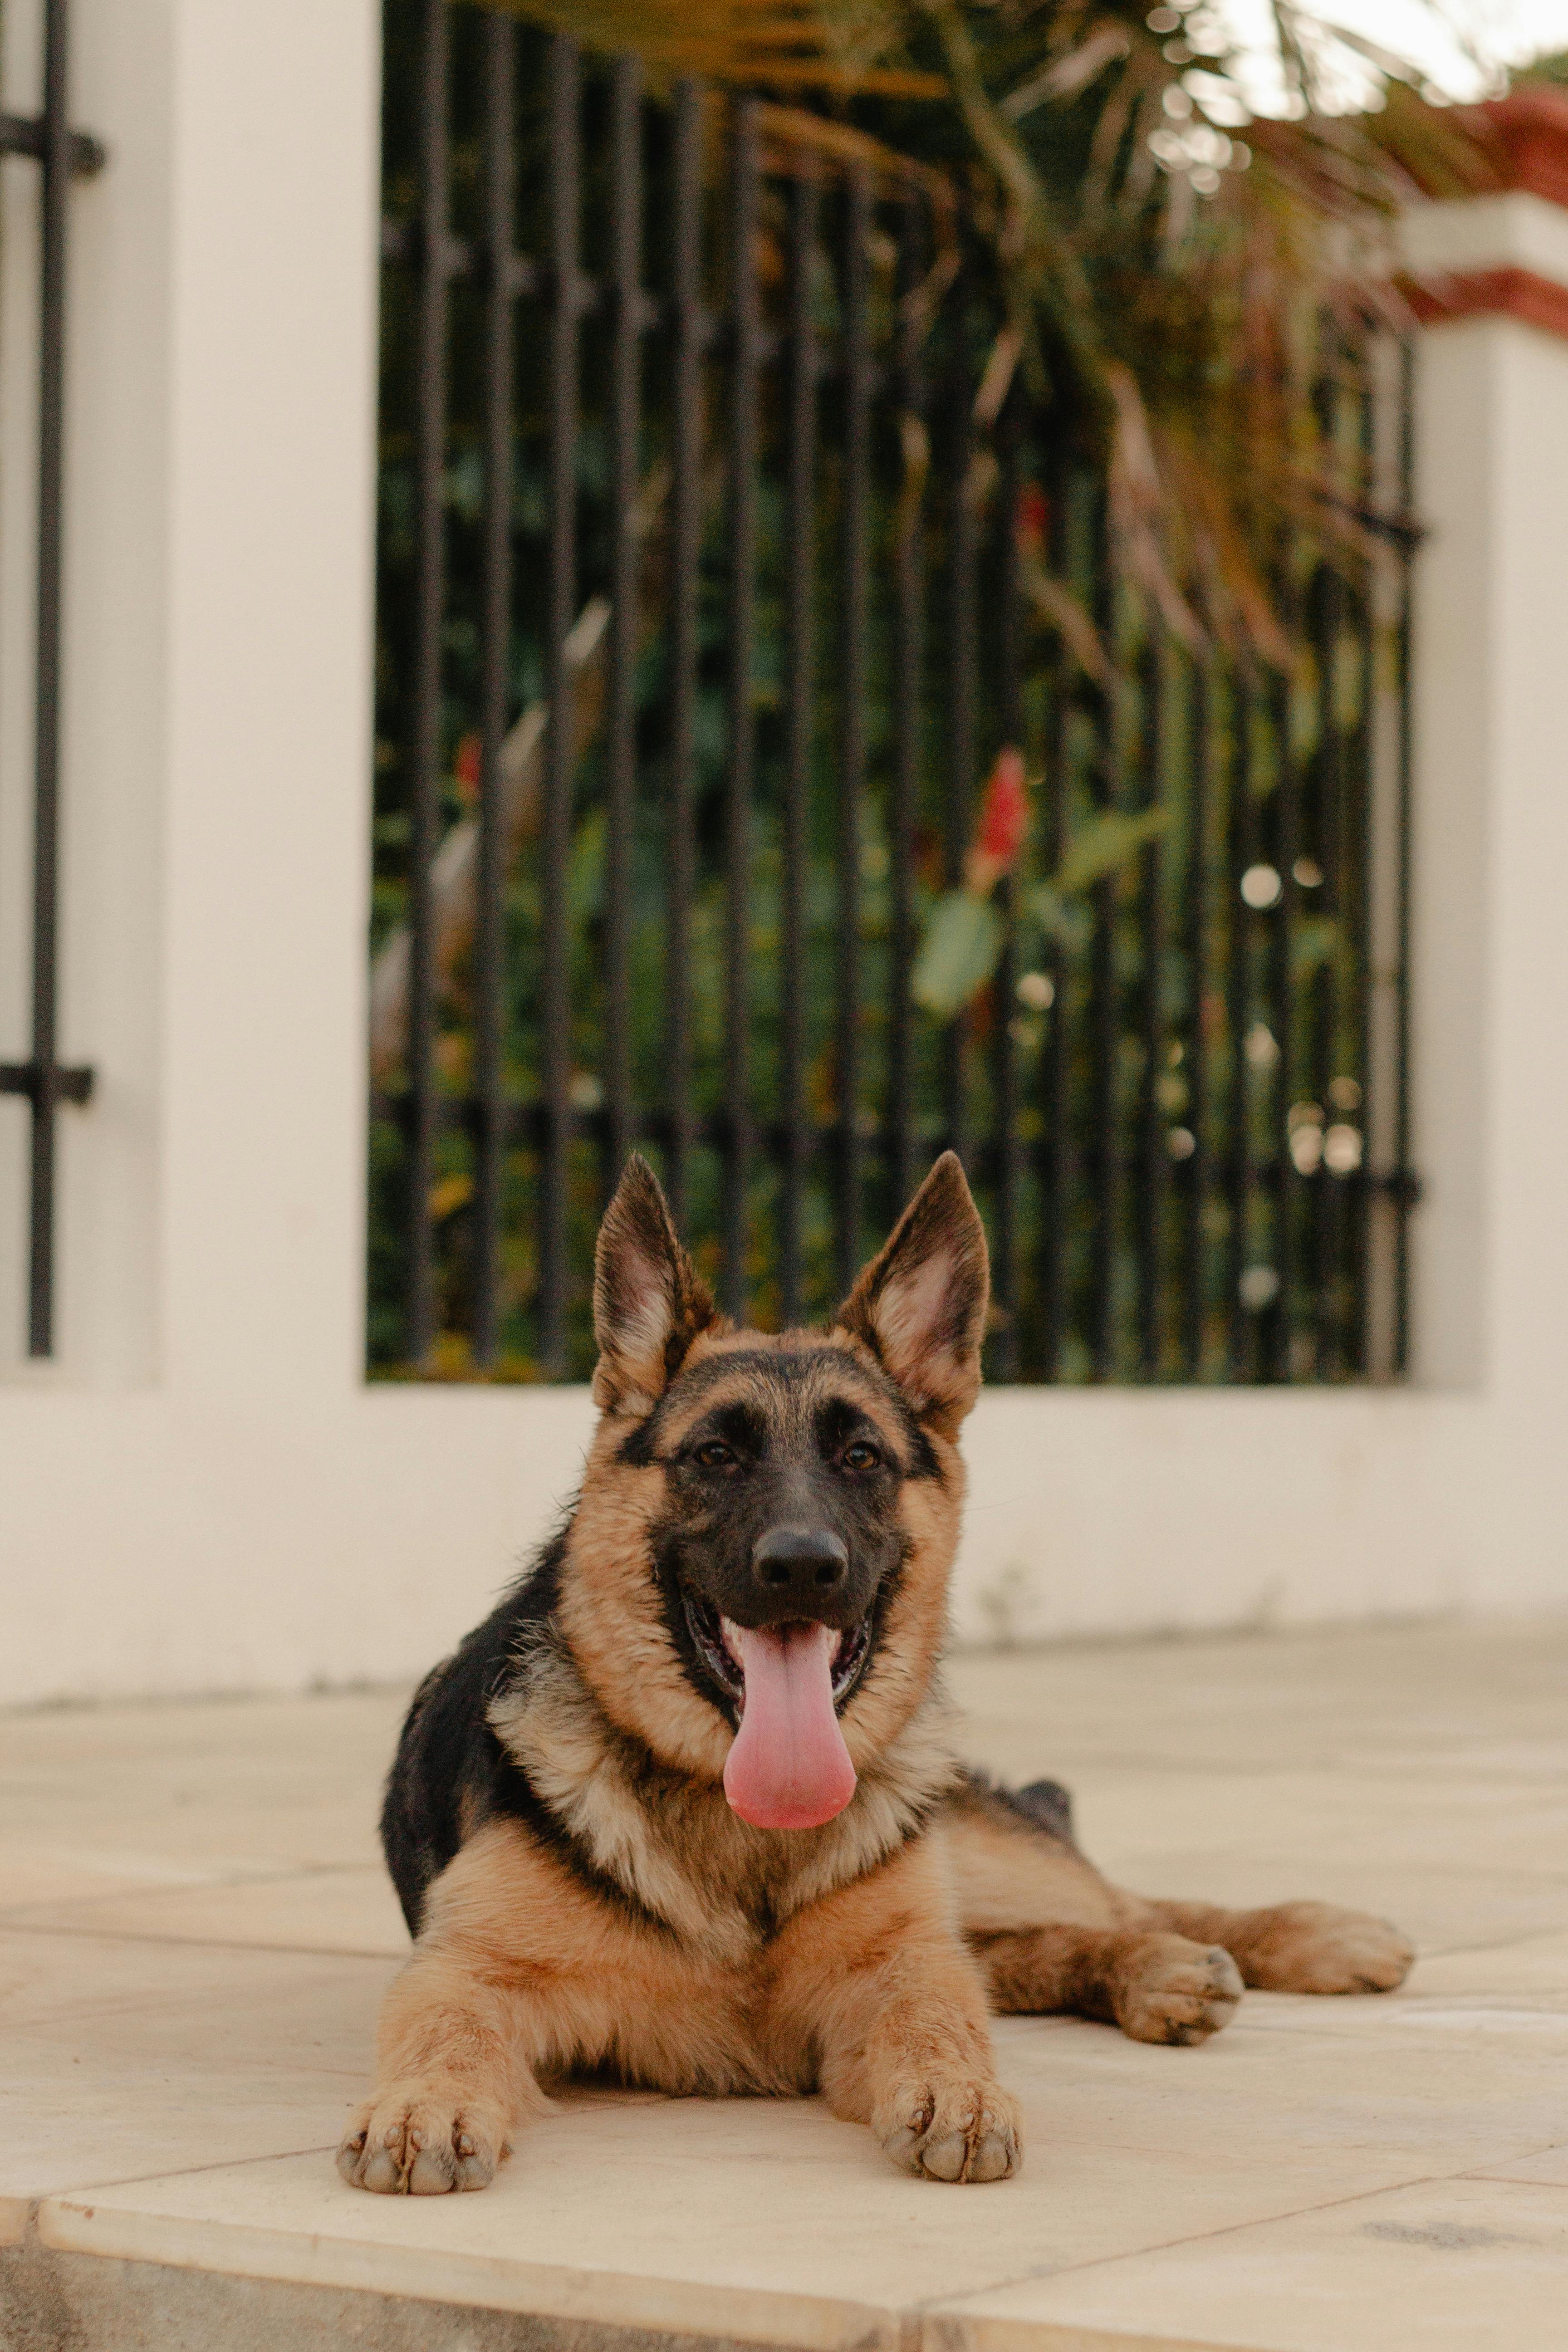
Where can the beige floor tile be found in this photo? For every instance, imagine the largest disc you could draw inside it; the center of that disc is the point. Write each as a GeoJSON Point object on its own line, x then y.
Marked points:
{"type": "Point", "coordinates": [1319, 1821]}
{"type": "Point", "coordinates": [1442, 1910]}
{"type": "Point", "coordinates": [774, 2222]}
{"type": "Point", "coordinates": [1532, 1966]}
{"type": "Point", "coordinates": [1477, 2267]}
{"type": "Point", "coordinates": [222, 1786]}
{"type": "Point", "coordinates": [1346, 1701]}
{"type": "Point", "coordinates": [188, 1893]}
{"type": "Point", "coordinates": [315, 1911]}
{"type": "Point", "coordinates": [124, 2059]}
{"type": "Point", "coordinates": [1550, 2167]}
{"type": "Point", "coordinates": [1318, 2105]}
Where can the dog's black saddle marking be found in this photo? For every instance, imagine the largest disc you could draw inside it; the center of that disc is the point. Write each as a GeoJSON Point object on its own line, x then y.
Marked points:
{"type": "Point", "coordinates": [1048, 1803]}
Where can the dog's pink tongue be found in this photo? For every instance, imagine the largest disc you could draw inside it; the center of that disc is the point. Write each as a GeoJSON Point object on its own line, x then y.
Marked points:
{"type": "Point", "coordinates": [789, 1769]}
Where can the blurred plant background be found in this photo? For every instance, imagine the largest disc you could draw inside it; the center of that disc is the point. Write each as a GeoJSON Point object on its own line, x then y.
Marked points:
{"type": "Point", "coordinates": [1137, 347]}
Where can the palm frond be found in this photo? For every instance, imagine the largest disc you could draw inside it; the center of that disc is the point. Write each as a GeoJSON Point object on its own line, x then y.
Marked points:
{"type": "Point", "coordinates": [1160, 256]}
{"type": "Point", "coordinates": [779, 44]}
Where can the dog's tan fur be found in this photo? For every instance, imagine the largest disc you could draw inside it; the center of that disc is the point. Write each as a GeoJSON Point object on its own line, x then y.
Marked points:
{"type": "Point", "coordinates": [859, 1958]}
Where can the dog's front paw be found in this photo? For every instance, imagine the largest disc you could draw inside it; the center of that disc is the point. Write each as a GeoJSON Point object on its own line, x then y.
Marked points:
{"type": "Point", "coordinates": [1318, 1948]}
{"type": "Point", "coordinates": [956, 2129]}
{"type": "Point", "coordinates": [422, 2139]}
{"type": "Point", "coordinates": [1167, 1989]}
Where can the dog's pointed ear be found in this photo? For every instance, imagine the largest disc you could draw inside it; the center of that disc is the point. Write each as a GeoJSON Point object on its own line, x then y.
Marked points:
{"type": "Point", "coordinates": [921, 1303]}
{"type": "Point", "coordinates": [649, 1302]}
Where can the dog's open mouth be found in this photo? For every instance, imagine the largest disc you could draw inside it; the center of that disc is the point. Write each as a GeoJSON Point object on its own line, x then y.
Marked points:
{"type": "Point", "coordinates": [708, 1631]}
{"type": "Point", "coordinates": [789, 1768]}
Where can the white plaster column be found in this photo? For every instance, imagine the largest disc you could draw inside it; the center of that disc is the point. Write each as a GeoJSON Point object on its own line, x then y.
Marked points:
{"type": "Point", "coordinates": [1491, 975]}
{"type": "Point", "coordinates": [219, 580]}
{"type": "Point", "coordinates": [202, 1493]}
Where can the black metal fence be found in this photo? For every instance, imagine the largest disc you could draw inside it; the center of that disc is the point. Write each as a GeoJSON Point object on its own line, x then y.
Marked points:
{"type": "Point", "coordinates": [717, 560]}
{"type": "Point", "coordinates": [61, 154]}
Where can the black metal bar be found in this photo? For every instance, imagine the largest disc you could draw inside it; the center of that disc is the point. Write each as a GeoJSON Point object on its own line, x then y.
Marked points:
{"type": "Point", "coordinates": [69, 1086]}
{"type": "Point", "coordinates": [1405, 782]}
{"type": "Point", "coordinates": [55, 158]}
{"type": "Point", "coordinates": [909, 654]}
{"type": "Point", "coordinates": [962, 553]}
{"type": "Point", "coordinates": [851, 780]}
{"type": "Point", "coordinates": [27, 135]}
{"type": "Point", "coordinates": [1104, 1018]}
{"type": "Point", "coordinates": [1055, 1141]}
{"type": "Point", "coordinates": [42, 1080]}
{"type": "Point", "coordinates": [686, 548]}
{"type": "Point", "coordinates": [555, 1007]}
{"type": "Point", "coordinates": [1322, 1005]}
{"type": "Point", "coordinates": [1004, 1051]}
{"type": "Point", "coordinates": [1153, 1155]}
{"type": "Point", "coordinates": [1277, 1318]}
{"type": "Point", "coordinates": [490, 935]}
{"type": "Point", "coordinates": [425, 746]}
{"type": "Point", "coordinates": [801, 565]}
{"type": "Point", "coordinates": [1196, 1291]}
{"type": "Point", "coordinates": [1239, 1006]}
{"type": "Point", "coordinates": [625, 416]}
{"type": "Point", "coordinates": [745, 321]}
{"type": "Point", "coordinates": [1362, 845]}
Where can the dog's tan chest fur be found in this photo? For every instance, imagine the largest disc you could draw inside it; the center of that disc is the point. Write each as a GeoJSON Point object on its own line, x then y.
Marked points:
{"type": "Point", "coordinates": [673, 1846]}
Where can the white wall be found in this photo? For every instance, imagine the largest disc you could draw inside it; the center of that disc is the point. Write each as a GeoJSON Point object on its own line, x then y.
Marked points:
{"type": "Point", "coordinates": [202, 1494]}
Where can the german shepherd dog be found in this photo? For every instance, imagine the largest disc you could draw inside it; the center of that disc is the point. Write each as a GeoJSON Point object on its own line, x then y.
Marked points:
{"type": "Point", "coordinates": [686, 1808]}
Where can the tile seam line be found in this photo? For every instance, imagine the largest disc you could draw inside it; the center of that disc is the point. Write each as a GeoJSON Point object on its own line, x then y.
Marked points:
{"type": "Point", "coordinates": [1530, 2156]}
{"type": "Point", "coordinates": [180, 2172]}
{"type": "Point", "coordinates": [1508, 1944]}
{"type": "Point", "coordinates": [145, 1890]}
{"type": "Point", "coordinates": [935, 2306]}
{"type": "Point", "coordinates": [199, 1943]}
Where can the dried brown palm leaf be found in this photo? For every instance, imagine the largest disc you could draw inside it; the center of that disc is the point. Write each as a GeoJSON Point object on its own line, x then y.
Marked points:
{"type": "Point", "coordinates": [1161, 275]}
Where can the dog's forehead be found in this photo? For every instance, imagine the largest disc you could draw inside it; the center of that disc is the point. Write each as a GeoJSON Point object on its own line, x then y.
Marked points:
{"type": "Point", "coordinates": [786, 1387]}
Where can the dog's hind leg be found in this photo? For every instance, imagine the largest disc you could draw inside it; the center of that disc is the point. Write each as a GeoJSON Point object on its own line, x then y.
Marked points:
{"type": "Point", "coordinates": [1155, 1986]}
{"type": "Point", "coordinates": [1051, 1934]}
{"type": "Point", "coordinates": [1300, 1947]}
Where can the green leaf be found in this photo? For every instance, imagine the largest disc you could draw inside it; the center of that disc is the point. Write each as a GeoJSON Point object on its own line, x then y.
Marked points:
{"type": "Point", "coordinates": [1106, 842]}
{"type": "Point", "coordinates": [1315, 941]}
{"type": "Point", "coordinates": [1069, 925]}
{"type": "Point", "coordinates": [958, 954]}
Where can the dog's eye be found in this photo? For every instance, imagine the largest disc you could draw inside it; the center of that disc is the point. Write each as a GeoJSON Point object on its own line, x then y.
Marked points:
{"type": "Point", "coordinates": [716, 1455]}
{"type": "Point", "coordinates": [860, 1457]}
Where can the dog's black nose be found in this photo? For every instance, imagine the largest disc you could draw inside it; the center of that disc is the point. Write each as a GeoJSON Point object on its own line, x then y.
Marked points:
{"type": "Point", "coordinates": [800, 1565]}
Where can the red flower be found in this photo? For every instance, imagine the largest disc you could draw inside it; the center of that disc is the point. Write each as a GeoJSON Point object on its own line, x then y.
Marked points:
{"type": "Point", "coordinates": [466, 767]}
{"type": "Point", "coordinates": [1030, 517]}
{"type": "Point", "coordinates": [1004, 813]}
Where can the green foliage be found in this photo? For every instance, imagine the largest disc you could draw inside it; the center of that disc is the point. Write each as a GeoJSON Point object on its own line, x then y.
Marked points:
{"type": "Point", "coordinates": [965, 934]}
{"type": "Point", "coordinates": [962, 944]}
{"type": "Point", "coordinates": [1181, 731]}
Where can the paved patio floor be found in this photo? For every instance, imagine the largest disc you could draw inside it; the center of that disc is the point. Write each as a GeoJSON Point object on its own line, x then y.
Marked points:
{"type": "Point", "coordinates": [194, 1931]}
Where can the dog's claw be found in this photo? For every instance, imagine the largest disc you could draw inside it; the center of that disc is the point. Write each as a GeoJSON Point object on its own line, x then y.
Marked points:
{"type": "Point", "coordinates": [1173, 1990]}
{"type": "Point", "coordinates": [419, 2143]}
{"type": "Point", "coordinates": [963, 2131]}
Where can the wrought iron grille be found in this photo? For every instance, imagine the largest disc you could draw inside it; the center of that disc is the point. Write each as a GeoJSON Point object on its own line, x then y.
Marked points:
{"type": "Point", "coordinates": [713, 532]}
{"type": "Point", "coordinates": [42, 1079]}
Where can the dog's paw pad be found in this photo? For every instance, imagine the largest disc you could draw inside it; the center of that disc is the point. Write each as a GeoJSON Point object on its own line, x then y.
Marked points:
{"type": "Point", "coordinates": [420, 2143]}
{"type": "Point", "coordinates": [959, 2131]}
{"type": "Point", "coordinates": [1177, 1992]}
{"type": "Point", "coordinates": [1317, 1947]}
